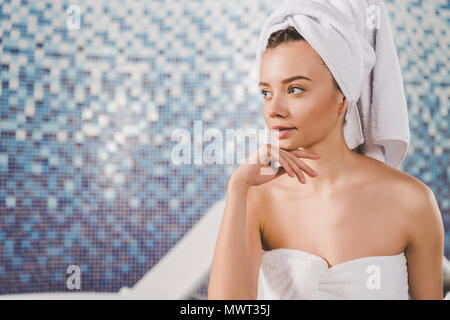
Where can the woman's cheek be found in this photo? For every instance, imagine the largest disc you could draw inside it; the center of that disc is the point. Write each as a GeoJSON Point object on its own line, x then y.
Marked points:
{"type": "Point", "coordinates": [312, 120]}
{"type": "Point", "coordinates": [305, 113]}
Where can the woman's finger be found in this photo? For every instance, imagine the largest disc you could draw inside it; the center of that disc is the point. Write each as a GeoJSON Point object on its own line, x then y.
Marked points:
{"type": "Point", "coordinates": [292, 162]}
{"type": "Point", "coordinates": [303, 166]}
{"type": "Point", "coordinates": [286, 165]}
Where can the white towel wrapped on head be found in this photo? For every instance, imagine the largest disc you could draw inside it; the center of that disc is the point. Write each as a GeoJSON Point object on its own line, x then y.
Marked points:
{"type": "Point", "coordinates": [355, 41]}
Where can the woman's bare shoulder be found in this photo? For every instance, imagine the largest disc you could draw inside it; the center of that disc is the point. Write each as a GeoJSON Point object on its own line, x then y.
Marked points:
{"type": "Point", "coordinates": [401, 188]}
{"type": "Point", "coordinates": [259, 202]}
{"type": "Point", "coordinates": [257, 196]}
{"type": "Point", "coordinates": [395, 178]}
{"type": "Point", "coordinates": [419, 210]}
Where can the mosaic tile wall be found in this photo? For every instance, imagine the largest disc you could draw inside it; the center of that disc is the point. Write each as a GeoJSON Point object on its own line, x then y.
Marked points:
{"type": "Point", "coordinates": [87, 110]}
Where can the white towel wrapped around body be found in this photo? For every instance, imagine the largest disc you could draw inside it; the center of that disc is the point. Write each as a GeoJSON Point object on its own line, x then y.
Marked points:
{"type": "Point", "coordinates": [355, 41]}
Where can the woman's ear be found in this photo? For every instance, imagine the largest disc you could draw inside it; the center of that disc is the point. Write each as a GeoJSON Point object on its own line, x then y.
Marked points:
{"type": "Point", "coordinates": [342, 103]}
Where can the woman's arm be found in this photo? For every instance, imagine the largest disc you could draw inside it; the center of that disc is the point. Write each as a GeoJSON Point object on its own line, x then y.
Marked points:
{"type": "Point", "coordinates": [426, 245]}
{"type": "Point", "coordinates": [232, 275]}
{"type": "Point", "coordinates": [237, 255]}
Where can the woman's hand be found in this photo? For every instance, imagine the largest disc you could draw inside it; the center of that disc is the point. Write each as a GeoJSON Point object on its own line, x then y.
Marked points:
{"type": "Point", "coordinates": [262, 166]}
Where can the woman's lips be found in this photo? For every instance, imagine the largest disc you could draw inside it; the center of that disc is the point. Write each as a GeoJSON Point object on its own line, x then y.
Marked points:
{"type": "Point", "coordinates": [281, 133]}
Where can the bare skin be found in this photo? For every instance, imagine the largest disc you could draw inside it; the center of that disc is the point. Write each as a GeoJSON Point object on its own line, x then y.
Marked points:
{"type": "Point", "coordinates": [354, 207]}
{"type": "Point", "coordinates": [328, 224]}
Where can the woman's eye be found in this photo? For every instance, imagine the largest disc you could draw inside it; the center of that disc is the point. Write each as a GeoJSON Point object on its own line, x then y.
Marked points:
{"type": "Point", "coordinates": [263, 93]}
{"type": "Point", "coordinates": [296, 88]}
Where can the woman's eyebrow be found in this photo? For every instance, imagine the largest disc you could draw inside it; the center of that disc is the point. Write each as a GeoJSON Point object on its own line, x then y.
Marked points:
{"type": "Point", "coordinates": [287, 80]}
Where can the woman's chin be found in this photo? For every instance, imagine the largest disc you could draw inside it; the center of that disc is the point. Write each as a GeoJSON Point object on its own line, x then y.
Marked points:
{"type": "Point", "coordinates": [288, 145]}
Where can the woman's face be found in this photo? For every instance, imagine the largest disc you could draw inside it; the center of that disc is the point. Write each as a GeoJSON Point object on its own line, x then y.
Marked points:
{"type": "Point", "coordinates": [311, 105]}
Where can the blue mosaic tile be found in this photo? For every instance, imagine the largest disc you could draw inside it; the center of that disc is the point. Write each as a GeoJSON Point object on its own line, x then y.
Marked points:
{"type": "Point", "coordinates": [86, 117]}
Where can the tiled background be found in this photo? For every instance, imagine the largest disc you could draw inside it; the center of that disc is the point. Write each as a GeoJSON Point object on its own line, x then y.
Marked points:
{"type": "Point", "coordinates": [87, 114]}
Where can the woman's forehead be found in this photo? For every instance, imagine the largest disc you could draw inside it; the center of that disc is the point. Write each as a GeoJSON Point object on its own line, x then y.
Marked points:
{"type": "Point", "coordinates": [287, 60]}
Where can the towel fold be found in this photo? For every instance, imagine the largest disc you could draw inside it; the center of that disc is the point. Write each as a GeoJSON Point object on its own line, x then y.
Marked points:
{"type": "Point", "coordinates": [354, 39]}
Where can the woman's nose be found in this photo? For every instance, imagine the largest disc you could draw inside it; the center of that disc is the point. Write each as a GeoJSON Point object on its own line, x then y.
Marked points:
{"type": "Point", "coordinates": [277, 107]}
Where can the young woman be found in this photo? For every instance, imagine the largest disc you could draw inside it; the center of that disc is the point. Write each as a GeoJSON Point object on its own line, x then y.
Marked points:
{"type": "Point", "coordinates": [356, 228]}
